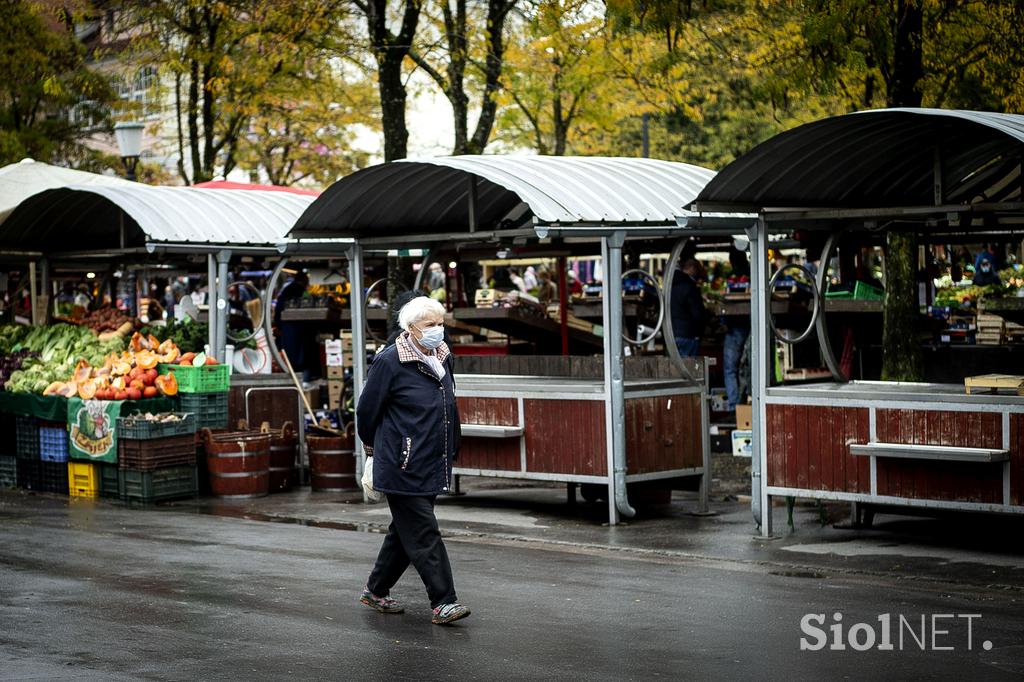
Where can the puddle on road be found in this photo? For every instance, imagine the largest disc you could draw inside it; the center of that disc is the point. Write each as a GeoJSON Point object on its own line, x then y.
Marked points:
{"type": "Point", "coordinates": [858, 548]}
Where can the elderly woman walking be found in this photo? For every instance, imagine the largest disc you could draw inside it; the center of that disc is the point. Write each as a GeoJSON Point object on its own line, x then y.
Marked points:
{"type": "Point", "coordinates": [408, 421]}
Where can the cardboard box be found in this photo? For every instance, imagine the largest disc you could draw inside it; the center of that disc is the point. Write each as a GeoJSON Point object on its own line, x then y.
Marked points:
{"type": "Point", "coordinates": [334, 391]}
{"type": "Point", "coordinates": [335, 359]}
{"type": "Point", "coordinates": [742, 443]}
{"type": "Point", "coordinates": [744, 417]}
{"type": "Point", "coordinates": [335, 372]}
{"type": "Point", "coordinates": [333, 347]}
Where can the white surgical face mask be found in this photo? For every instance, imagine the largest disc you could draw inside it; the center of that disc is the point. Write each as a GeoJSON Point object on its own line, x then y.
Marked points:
{"type": "Point", "coordinates": [431, 336]}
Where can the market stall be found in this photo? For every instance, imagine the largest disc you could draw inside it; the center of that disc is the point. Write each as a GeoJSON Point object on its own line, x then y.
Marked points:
{"type": "Point", "coordinates": [134, 228]}
{"type": "Point", "coordinates": [942, 176]}
{"type": "Point", "coordinates": [628, 430]}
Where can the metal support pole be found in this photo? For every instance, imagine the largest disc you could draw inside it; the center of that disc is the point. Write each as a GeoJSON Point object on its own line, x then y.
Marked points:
{"type": "Point", "coordinates": [704, 492]}
{"type": "Point", "coordinates": [614, 384]}
{"type": "Point", "coordinates": [211, 300]}
{"type": "Point", "coordinates": [760, 364]}
{"type": "Point", "coordinates": [355, 276]}
{"type": "Point", "coordinates": [563, 305]}
{"type": "Point", "coordinates": [219, 351]}
{"type": "Point", "coordinates": [33, 294]}
{"type": "Point", "coordinates": [44, 288]}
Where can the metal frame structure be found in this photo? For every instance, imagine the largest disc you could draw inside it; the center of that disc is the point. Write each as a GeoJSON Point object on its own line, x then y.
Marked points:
{"type": "Point", "coordinates": [968, 166]}
{"type": "Point", "coordinates": [599, 199]}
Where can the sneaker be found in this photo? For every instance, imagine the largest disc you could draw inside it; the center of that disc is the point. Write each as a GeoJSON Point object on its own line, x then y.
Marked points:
{"type": "Point", "coordinates": [382, 604]}
{"type": "Point", "coordinates": [448, 613]}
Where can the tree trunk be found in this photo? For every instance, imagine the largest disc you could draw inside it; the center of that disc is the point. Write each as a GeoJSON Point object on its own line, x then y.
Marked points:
{"type": "Point", "coordinates": [497, 11]}
{"type": "Point", "coordinates": [902, 358]}
{"type": "Point", "coordinates": [392, 108]}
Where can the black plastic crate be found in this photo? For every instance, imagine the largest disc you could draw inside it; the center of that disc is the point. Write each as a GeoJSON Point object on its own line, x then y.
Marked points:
{"type": "Point", "coordinates": [145, 429]}
{"type": "Point", "coordinates": [8, 435]}
{"type": "Point", "coordinates": [30, 474]}
{"type": "Point", "coordinates": [210, 409]}
{"type": "Point", "coordinates": [109, 476]}
{"type": "Point", "coordinates": [169, 483]}
{"type": "Point", "coordinates": [26, 431]}
{"type": "Point", "coordinates": [8, 471]}
{"type": "Point", "coordinates": [54, 477]}
{"type": "Point", "coordinates": [157, 453]}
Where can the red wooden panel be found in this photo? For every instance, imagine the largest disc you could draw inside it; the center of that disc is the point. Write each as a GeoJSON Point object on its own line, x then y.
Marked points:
{"type": "Point", "coordinates": [489, 453]}
{"type": "Point", "coordinates": [565, 436]}
{"type": "Point", "coordinates": [949, 481]}
{"type": "Point", "coordinates": [663, 439]}
{"type": "Point", "coordinates": [808, 445]}
{"type": "Point", "coordinates": [1017, 459]}
{"type": "Point", "coordinates": [497, 411]}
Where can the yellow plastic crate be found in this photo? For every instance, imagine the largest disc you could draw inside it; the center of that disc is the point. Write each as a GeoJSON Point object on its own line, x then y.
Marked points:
{"type": "Point", "coordinates": [83, 479]}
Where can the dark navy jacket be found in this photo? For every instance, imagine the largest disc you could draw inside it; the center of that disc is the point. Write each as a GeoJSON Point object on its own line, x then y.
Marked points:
{"type": "Point", "coordinates": [407, 419]}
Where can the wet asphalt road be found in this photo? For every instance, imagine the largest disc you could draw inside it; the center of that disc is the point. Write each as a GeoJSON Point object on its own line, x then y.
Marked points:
{"type": "Point", "coordinates": [100, 592]}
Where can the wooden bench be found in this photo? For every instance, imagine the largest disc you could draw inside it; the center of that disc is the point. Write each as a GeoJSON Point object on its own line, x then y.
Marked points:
{"type": "Point", "coordinates": [491, 431]}
{"type": "Point", "coordinates": [933, 452]}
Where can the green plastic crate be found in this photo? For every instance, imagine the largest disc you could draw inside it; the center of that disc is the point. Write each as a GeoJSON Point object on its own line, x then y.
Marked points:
{"type": "Point", "coordinates": [143, 429]}
{"type": "Point", "coordinates": [170, 483]}
{"type": "Point", "coordinates": [205, 379]}
{"type": "Point", "coordinates": [210, 409]}
{"type": "Point", "coordinates": [863, 291]}
{"type": "Point", "coordinates": [109, 480]}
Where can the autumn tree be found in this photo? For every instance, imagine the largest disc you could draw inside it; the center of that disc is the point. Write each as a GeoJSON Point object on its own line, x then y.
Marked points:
{"type": "Point", "coordinates": [50, 101]}
{"type": "Point", "coordinates": [225, 57]}
{"type": "Point", "coordinates": [464, 48]}
{"type": "Point", "coordinates": [556, 80]}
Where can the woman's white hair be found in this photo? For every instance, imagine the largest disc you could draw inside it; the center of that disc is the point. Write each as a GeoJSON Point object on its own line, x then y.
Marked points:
{"type": "Point", "coordinates": [417, 309]}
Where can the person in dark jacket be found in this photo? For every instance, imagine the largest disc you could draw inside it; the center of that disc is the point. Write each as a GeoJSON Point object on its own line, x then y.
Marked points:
{"type": "Point", "coordinates": [689, 316]}
{"type": "Point", "coordinates": [408, 421]}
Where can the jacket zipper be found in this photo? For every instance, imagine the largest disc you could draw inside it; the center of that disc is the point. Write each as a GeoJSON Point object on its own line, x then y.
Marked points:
{"type": "Point", "coordinates": [444, 411]}
{"type": "Point", "coordinates": [407, 452]}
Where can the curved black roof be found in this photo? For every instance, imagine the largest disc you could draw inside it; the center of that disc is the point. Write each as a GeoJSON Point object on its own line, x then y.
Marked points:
{"type": "Point", "coordinates": [878, 158]}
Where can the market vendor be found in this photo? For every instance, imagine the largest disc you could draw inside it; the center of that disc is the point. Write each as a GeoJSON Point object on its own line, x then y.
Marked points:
{"type": "Point", "coordinates": [689, 316]}
{"type": "Point", "coordinates": [985, 273]}
{"type": "Point", "coordinates": [299, 345]}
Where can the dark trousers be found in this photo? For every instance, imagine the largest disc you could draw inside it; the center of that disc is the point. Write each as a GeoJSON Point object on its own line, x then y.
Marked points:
{"type": "Point", "coordinates": [413, 537]}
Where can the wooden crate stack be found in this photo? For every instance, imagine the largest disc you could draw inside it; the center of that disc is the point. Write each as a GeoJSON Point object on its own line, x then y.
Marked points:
{"type": "Point", "coordinates": [991, 330]}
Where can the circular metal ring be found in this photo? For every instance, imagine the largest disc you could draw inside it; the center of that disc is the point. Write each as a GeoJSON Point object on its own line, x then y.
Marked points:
{"type": "Point", "coordinates": [669, 335]}
{"type": "Point", "coordinates": [255, 325]}
{"type": "Point", "coordinates": [661, 309]}
{"type": "Point", "coordinates": [815, 308]}
{"type": "Point", "coordinates": [366, 305]}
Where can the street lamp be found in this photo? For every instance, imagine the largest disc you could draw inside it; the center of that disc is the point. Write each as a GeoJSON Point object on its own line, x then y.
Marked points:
{"type": "Point", "coordinates": [129, 143]}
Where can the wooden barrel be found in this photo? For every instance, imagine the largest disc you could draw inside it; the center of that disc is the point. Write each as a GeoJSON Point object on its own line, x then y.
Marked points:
{"type": "Point", "coordinates": [283, 444]}
{"type": "Point", "coordinates": [238, 462]}
{"type": "Point", "coordinates": [332, 464]}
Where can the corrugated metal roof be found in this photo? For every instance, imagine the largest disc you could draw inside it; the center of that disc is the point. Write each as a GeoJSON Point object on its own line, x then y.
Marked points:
{"type": "Point", "coordinates": [432, 195]}
{"type": "Point", "coordinates": [18, 181]}
{"type": "Point", "coordinates": [88, 218]}
{"type": "Point", "coordinates": [878, 158]}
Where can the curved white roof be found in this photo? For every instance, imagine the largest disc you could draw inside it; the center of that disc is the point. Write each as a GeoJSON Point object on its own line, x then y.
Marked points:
{"type": "Point", "coordinates": [433, 195]}
{"type": "Point", "coordinates": [18, 181]}
{"type": "Point", "coordinates": [87, 217]}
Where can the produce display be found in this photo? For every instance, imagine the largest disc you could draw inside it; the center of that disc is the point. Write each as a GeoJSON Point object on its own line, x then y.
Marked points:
{"type": "Point", "coordinates": [128, 375]}
{"type": "Point", "coordinates": [12, 362]}
{"type": "Point", "coordinates": [108, 320]}
{"type": "Point", "coordinates": [60, 348]}
{"type": "Point", "coordinates": [188, 336]}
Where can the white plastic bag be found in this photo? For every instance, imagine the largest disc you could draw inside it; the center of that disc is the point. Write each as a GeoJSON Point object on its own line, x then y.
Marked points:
{"type": "Point", "coordinates": [371, 494]}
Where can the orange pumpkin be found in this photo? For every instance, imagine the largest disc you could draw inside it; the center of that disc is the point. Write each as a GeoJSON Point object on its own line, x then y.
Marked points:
{"type": "Point", "coordinates": [168, 352]}
{"type": "Point", "coordinates": [136, 342]}
{"type": "Point", "coordinates": [146, 359]}
{"type": "Point", "coordinates": [87, 390]}
{"type": "Point", "coordinates": [167, 384]}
